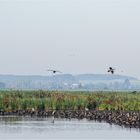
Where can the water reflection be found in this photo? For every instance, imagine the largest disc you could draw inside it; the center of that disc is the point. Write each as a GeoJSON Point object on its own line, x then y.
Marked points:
{"type": "Point", "coordinates": [41, 128]}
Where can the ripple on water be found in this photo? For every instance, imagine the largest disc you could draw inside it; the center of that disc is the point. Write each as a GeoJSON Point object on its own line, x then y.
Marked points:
{"type": "Point", "coordinates": [41, 128]}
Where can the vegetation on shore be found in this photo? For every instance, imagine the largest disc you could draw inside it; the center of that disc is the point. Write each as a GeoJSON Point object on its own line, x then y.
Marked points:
{"type": "Point", "coordinates": [68, 100]}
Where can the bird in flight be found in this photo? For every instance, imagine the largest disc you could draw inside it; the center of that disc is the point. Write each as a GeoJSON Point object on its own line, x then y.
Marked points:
{"type": "Point", "coordinates": [111, 70]}
{"type": "Point", "coordinates": [55, 71]}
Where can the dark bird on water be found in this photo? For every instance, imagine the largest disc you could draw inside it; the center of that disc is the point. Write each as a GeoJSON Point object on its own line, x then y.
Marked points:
{"type": "Point", "coordinates": [55, 71]}
{"type": "Point", "coordinates": [111, 70]}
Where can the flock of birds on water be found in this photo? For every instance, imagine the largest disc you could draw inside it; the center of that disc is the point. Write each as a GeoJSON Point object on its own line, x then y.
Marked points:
{"type": "Point", "coordinates": [110, 70]}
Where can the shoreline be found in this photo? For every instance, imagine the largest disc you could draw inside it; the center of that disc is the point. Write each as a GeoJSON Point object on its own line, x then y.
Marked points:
{"type": "Point", "coordinates": [129, 119]}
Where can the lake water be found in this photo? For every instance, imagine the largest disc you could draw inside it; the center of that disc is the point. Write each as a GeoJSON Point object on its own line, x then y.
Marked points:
{"type": "Point", "coordinates": [19, 128]}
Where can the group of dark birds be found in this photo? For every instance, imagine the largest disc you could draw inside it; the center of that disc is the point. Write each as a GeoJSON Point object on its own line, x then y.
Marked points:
{"type": "Point", "coordinates": [110, 70]}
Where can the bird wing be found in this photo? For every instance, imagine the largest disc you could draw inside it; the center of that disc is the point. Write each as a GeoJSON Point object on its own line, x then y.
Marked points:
{"type": "Point", "coordinates": [112, 71]}
{"type": "Point", "coordinates": [58, 71]}
{"type": "Point", "coordinates": [110, 68]}
{"type": "Point", "coordinates": [54, 70]}
{"type": "Point", "coordinates": [50, 70]}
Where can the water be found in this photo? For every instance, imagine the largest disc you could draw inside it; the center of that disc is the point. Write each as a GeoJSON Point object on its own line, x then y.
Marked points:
{"type": "Point", "coordinates": [19, 128]}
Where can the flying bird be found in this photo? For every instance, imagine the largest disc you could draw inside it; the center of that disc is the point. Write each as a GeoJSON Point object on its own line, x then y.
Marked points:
{"type": "Point", "coordinates": [111, 70]}
{"type": "Point", "coordinates": [55, 71]}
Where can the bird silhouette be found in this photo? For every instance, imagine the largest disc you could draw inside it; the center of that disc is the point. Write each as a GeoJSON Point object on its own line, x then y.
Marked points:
{"type": "Point", "coordinates": [53, 116]}
{"type": "Point", "coordinates": [111, 70]}
{"type": "Point", "coordinates": [55, 71]}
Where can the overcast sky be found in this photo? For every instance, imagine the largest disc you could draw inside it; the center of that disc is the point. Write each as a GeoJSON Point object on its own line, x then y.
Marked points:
{"type": "Point", "coordinates": [74, 36]}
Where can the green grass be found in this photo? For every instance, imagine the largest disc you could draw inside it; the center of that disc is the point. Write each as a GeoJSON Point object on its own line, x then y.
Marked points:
{"type": "Point", "coordinates": [73, 100]}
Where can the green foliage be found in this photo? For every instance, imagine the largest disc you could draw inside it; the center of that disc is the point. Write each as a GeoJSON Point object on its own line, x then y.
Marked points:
{"type": "Point", "coordinates": [68, 100]}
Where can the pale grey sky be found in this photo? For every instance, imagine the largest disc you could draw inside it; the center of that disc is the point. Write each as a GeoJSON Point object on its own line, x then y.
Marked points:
{"type": "Point", "coordinates": [74, 36]}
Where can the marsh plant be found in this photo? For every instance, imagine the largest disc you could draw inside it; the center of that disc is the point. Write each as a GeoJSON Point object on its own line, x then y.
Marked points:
{"type": "Point", "coordinates": [68, 100]}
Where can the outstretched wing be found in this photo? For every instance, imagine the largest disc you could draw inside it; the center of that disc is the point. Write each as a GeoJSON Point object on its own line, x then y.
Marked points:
{"type": "Point", "coordinates": [50, 70]}
{"type": "Point", "coordinates": [58, 71]}
{"type": "Point", "coordinates": [112, 71]}
{"type": "Point", "coordinates": [110, 68]}
{"type": "Point", "coordinates": [54, 71]}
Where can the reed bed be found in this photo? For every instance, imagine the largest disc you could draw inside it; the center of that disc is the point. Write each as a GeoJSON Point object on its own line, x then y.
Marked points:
{"type": "Point", "coordinates": [68, 100]}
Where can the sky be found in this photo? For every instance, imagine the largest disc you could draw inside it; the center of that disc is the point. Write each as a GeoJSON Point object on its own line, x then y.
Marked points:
{"type": "Point", "coordinates": [73, 36]}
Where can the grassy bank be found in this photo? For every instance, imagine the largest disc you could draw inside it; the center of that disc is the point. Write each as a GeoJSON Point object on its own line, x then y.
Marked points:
{"type": "Point", "coordinates": [61, 100]}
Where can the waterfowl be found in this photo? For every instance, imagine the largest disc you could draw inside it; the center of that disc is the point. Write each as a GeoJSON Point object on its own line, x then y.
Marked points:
{"type": "Point", "coordinates": [55, 71]}
{"type": "Point", "coordinates": [111, 70]}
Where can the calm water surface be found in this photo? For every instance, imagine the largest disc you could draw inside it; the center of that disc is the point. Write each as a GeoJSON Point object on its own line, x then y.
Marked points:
{"type": "Point", "coordinates": [43, 128]}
